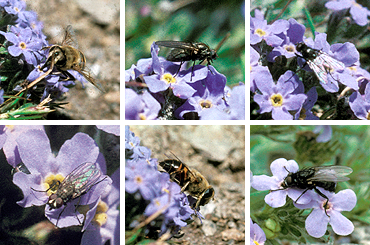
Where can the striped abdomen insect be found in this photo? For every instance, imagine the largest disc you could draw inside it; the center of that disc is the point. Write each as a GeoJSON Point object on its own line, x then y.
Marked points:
{"type": "Point", "coordinates": [190, 181]}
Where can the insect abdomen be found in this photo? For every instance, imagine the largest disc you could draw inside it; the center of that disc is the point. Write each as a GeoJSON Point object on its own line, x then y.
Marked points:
{"type": "Point", "coordinates": [176, 169]}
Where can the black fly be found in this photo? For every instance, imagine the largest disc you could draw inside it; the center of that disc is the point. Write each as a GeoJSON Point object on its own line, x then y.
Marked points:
{"type": "Point", "coordinates": [325, 177]}
{"type": "Point", "coordinates": [320, 62]}
{"type": "Point", "coordinates": [188, 51]}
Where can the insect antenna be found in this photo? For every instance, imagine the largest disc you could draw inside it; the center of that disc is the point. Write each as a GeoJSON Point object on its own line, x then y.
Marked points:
{"type": "Point", "coordinates": [56, 182]}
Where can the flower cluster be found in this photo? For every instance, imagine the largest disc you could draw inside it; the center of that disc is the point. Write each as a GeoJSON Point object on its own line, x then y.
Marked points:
{"type": "Point", "coordinates": [325, 210]}
{"type": "Point", "coordinates": [73, 183]}
{"type": "Point", "coordinates": [22, 55]}
{"type": "Point", "coordinates": [358, 13]}
{"type": "Point", "coordinates": [159, 89]}
{"type": "Point", "coordinates": [152, 192]}
{"type": "Point", "coordinates": [330, 75]}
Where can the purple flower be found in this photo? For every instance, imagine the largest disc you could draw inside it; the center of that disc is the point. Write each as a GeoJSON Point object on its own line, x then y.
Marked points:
{"type": "Point", "coordinates": [235, 109]}
{"type": "Point", "coordinates": [293, 36]}
{"type": "Point", "coordinates": [260, 30]}
{"type": "Point", "coordinates": [110, 129]}
{"type": "Point", "coordinates": [140, 107]}
{"type": "Point", "coordinates": [24, 43]}
{"type": "Point", "coordinates": [325, 133]}
{"type": "Point", "coordinates": [105, 222]}
{"type": "Point", "coordinates": [210, 93]}
{"type": "Point", "coordinates": [306, 112]}
{"type": "Point", "coordinates": [3, 136]}
{"type": "Point", "coordinates": [360, 104]}
{"type": "Point", "coordinates": [45, 170]}
{"type": "Point", "coordinates": [280, 168]}
{"type": "Point", "coordinates": [346, 53]}
{"type": "Point", "coordinates": [1, 96]}
{"type": "Point", "coordinates": [140, 178]}
{"type": "Point", "coordinates": [131, 141]}
{"type": "Point", "coordinates": [17, 8]}
{"type": "Point", "coordinates": [255, 68]}
{"type": "Point", "coordinates": [10, 134]}
{"type": "Point", "coordinates": [257, 236]}
{"type": "Point", "coordinates": [317, 221]}
{"type": "Point", "coordinates": [55, 85]}
{"type": "Point", "coordinates": [280, 98]}
{"type": "Point", "coordinates": [357, 11]}
{"type": "Point", "coordinates": [164, 77]}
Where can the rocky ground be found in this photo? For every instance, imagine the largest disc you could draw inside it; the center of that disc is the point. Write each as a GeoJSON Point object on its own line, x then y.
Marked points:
{"type": "Point", "coordinates": [218, 152]}
{"type": "Point", "coordinates": [97, 28]}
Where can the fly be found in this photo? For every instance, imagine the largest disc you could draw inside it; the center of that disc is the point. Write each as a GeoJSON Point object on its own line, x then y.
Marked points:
{"type": "Point", "coordinates": [188, 51]}
{"type": "Point", "coordinates": [74, 185]}
{"type": "Point", "coordinates": [325, 177]}
{"type": "Point", "coordinates": [320, 62]}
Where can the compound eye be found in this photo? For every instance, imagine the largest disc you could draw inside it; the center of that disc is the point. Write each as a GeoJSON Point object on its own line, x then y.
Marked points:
{"type": "Point", "coordinates": [209, 193]}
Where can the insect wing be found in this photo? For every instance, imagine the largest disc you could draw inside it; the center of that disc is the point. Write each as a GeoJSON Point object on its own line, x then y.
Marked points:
{"type": "Point", "coordinates": [324, 65]}
{"type": "Point", "coordinates": [178, 55]}
{"type": "Point", "coordinates": [331, 173]}
{"type": "Point", "coordinates": [86, 74]}
{"type": "Point", "coordinates": [70, 37]}
{"type": "Point", "coordinates": [82, 179]}
{"type": "Point", "coordinates": [175, 44]}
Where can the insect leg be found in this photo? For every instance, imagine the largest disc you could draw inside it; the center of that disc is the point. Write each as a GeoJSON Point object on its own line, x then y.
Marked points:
{"type": "Point", "coordinates": [60, 215]}
{"type": "Point", "coordinates": [209, 69]}
{"type": "Point", "coordinates": [301, 195]}
{"type": "Point", "coordinates": [184, 187]}
{"type": "Point", "coordinates": [192, 71]}
{"type": "Point", "coordinates": [68, 75]}
{"type": "Point", "coordinates": [322, 195]}
{"type": "Point", "coordinates": [182, 62]}
{"type": "Point", "coordinates": [76, 206]}
{"type": "Point", "coordinates": [57, 182]}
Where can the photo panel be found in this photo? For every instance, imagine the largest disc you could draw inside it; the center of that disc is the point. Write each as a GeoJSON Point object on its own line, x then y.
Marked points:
{"type": "Point", "coordinates": [60, 184]}
{"type": "Point", "coordinates": [309, 184]}
{"type": "Point", "coordinates": [185, 183]}
{"type": "Point", "coordinates": [309, 60]}
{"type": "Point", "coordinates": [60, 60]}
{"type": "Point", "coordinates": [185, 60]}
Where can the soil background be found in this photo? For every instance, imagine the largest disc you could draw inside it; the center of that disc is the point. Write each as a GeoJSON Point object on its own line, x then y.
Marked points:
{"type": "Point", "coordinates": [97, 28]}
{"type": "Point", "coordinates": [218, 152]}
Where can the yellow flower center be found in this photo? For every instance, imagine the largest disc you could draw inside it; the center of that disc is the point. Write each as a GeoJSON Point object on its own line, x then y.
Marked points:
{"type": "Point", "coordinates": [101, 213]}
{"type": "Point", "coordinates": [368, 115]}
{"type": "Point", "coordinates": [10, 127]}
{"type": "Point", "coordinates": [52, 183]}
{"type": "Point", "coordinates": [22, 45]}
{"type": "Point", "coordinates": [138, 179]}
{"type": "Point", "coordinates": [142, 116]}
{"type": "Point", "coordinates": [205, 104]}
{"type": "Point", "coordinates": [290, 48]}
{"type": "Point", "coordinates": [260, 32]}
{"type": "Point", "coordinates": [168, 78]}
{"type": "Point", "coordinates": [276, 100]}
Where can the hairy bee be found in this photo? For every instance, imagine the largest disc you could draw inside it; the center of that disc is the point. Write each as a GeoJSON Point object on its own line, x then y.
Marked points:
{"type": "Point", "coordinates": [320, 62]}
{"type": "Point", "coordinates": [67, 56]}
{"type": "Point", "coordinates": [325, 177]}
{"type": "Point", "coordinates": [188, 51]}
{"type": "Point", "coordinates": [190, 181]}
